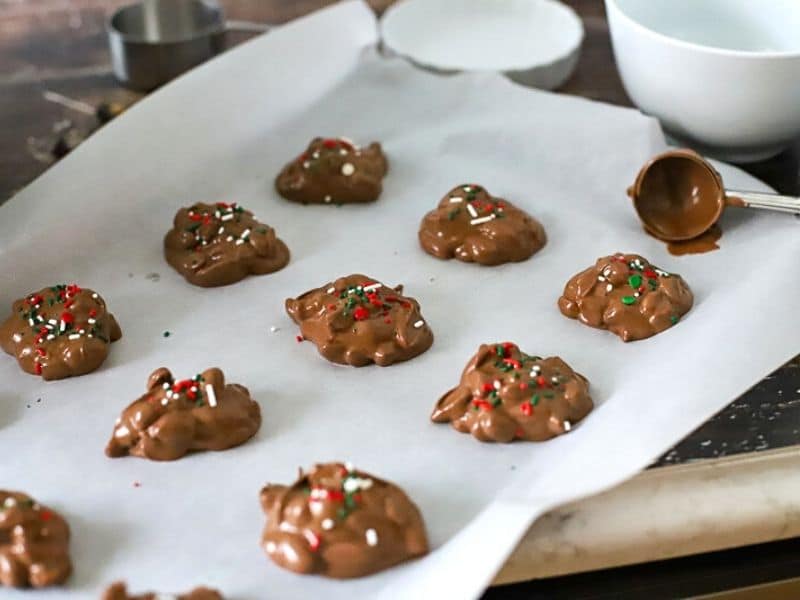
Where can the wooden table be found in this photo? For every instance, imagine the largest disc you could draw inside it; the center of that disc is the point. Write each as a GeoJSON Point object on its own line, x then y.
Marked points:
{"type": "Point", "coordinates": [60, 45]}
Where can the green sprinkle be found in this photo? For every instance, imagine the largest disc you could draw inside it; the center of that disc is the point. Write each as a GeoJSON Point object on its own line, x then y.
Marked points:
{"type": "Point", "coordinates": [674, 319]}
{"type": "Point", "coordinates": [653, 283]}
{"type": "Point", "coordinates": [535, 400]}
{"type": "Point", "coordinates": [549, 395]}
{"type": "Point", "coordinates": [628, 300]}
{"type": "Point", "coordinates": [167, 334]}
{"type": "Point", "coordinates": [635, 281]}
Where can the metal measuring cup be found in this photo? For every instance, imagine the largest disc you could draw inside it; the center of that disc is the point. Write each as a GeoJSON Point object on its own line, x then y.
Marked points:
{"type": "Point", "coordinates": [154, 41]}
{"type": "Point", "coordinates": [679, 195]}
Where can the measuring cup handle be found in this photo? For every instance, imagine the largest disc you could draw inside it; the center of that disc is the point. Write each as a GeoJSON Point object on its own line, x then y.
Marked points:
{"type": "Point", "coordinates": [776, 202]}
{"type": "Point", "coordinates": [247, 26]}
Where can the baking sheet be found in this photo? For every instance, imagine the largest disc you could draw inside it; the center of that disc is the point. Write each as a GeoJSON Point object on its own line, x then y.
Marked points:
{"type": "Point", "coordinates": [222, 133]}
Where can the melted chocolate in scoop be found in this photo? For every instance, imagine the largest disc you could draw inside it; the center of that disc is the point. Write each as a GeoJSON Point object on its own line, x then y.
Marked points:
{"type": "Point", "coordinates": [678, 195]}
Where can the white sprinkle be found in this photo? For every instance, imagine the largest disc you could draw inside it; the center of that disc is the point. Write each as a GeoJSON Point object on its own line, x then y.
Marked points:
{"type": "Point", "coordinates": [485, 219]}
{"type": "Point", "coordinates": [245, 233]}
{"type": "Point", "coordinates": [372, 287]}
{"type": "Point", "coordinates": [229, 238]}
{"type": "Point", "coordinates": [9, 502]}
{"type": "Point", "coordinates": [227, 217]}
{"type": "Point", "coordinates": [273, 329]}
{"type": "Point", "coordinates": [270, 547]}
{"type": "Point", "coordinates": [328, 199]}
{"type": "Point", "coordinates": [51, 337]}
{"type": "Point", "coordinates": [39, 318]}
{"type": "Point", "coordinates": [536, 368]}
{"type": "Point", "coordinates": [372, 537]}
{"type": "Point", "coordinates": [636, 294]}
{"type": "Point", "coordinates": [239, 242]}
{"type": "Point", "coordinates": [316, 154]}
{"type": "Point", "coordinates": [164, 401]}
{"type": "Point", "coordinates": [567, 425]}
{"type": "Point", "coordinates": [121, 431]}
{"type": "Point", "coordinates": [497, 384]}
{"type": "Point", "coordinates": [90, 335]}
{"type": "Point", "coordinates": [343, 152]}
{"type": "Point", "coordinates": [31, 322]}
{"type": "Point", "coordinates": [53, 322]}
{"type": "Point", "coordinates": [306, 165]}
{"type": "Point", "coordinates": [165, 385]}
{"type": "Point", "coordinates": [94, 296]}
{"type": "Point", "coordinates": [472, 212]}
{"type": "Point", "coordinates": [609, 287]}
{"type": "Point", "coordinates": [74, 336]}
{"type": "Point", "coordinates": [353, 484]}
{"type": "Point", "coordinates": [419, 324]}
{"type": "Point", "coordinates": [63, 327]}
{"type": "Point", "coordinates": [456, 199]}
{"type": "Point", "coordinates": [327, 524]}
{"type": "Point", "coordinates": [600, 278]}
{"type": "Point", "coordinates": [91, 321]}
{"type": "Point", "coordinates": [606, 271]}
{"type": "Point", "coordinates": [212, 395]}
{"type": "Point", "coordinates": [17, 337]}
{"type": "Point", "coordinates": [349, 466]}
{"type": "Point", "coordinates": [348, 169]}
{"type": "Point", "coordinates": [331, 290]}
{"type": "Point", "coordinates": [217, 214]}
{"type": "Point", "coordinates": [554, 379]}
{"type": "Point", "coordinates": [467, 188]}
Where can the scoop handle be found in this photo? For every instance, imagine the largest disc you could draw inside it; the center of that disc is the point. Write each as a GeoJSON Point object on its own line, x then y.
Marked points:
{"type": "Point", "coordinates": [247, 26]}
{"type": "Point", "coordinates": [776, 202]}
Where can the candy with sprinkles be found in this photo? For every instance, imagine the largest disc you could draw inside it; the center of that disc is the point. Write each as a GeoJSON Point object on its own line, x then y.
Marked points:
{"type": "Point", "coordinates": [356, 320]}
{"type": "Point", "coordinates": [627, 295]}
{"type": "Point", "coordinates": [222, 243]}
{"type": "Point", "coordinates": [119, 591]}
{"type": "Point", "coordinates": [506, 395]}
{"type": "Point", "coordinates": [471, 225]}
{"type": "Point", "coordinates": [34, 543]}
{"type": "Point", "coordinates": [340, 522]}
{"type": "Point", "coordinates": [334, 171]}
{"type": "Point", "coordinates": [175, 417]}
{"type": "Point", "coordinates": [59, 331]}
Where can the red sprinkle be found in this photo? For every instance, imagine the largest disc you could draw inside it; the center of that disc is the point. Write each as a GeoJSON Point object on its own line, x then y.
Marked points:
{"type": "Point", "coordinates": [195, 217]}
{"type": "Point", "coordinates": [313, 540]}
{"type": "Point", "coordinates": [38, 368]}
{"type": "Point", "coordinates": [331, 307]}
{"type": "Point", "coordinates": [299, 338]}
{"type": "Point", "coordinates": [541, 381]}
{"type": "Point", "coordinates": [387, 320]}
{"type": "Point", "coordinates": [513, 362]}
{"type": "Point", "coordinates": [650, 274]}
{"type": "Point", "coordinates": [46, 515]}
{"type": "Point", "coordinates": [92, 313]}
{"type": "Point", "coordinates": [361, 314]}
{"type": "Point", "coordinates": [482, 404]}
{"type": "Point", "coordinates": [41, 352]}
{"type": "Point", "coordinates": [527, 409]}
{"type": "Point", "coordinates": [34, 300]}
{"type": "Point", "coordinates": [523, 386]}
{"type": "Point", "coordinates": [330, 143]}
{"type": "Point", "coordinates": [487, 387]}
{"type": "Point", "coordinates": [67, 317]}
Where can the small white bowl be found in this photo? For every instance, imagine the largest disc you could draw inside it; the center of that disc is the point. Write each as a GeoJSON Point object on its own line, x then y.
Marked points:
{"type": "Point", "coordinates": [534, 42]}
{"type": "Point", "coordinates": [721, 75]}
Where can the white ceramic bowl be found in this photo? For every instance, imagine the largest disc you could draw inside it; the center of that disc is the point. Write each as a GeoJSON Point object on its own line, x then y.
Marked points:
{"type": "Point", "coordinates": [534, 42]}
{"type": "Point", "coordinates": [720, 75]}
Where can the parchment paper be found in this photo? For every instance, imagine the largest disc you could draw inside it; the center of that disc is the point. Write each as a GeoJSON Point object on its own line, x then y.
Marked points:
{"type": "Point", "coordinates": [222, 133]}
